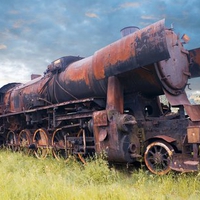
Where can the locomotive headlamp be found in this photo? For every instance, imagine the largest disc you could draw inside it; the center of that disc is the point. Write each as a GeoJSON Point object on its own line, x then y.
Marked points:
{"type": "Point", "coordinates": [185, 38]}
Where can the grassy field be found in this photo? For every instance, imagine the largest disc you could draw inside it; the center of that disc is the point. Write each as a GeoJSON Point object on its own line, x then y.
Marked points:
{"type": "Point", "coordinates": [27, 178]}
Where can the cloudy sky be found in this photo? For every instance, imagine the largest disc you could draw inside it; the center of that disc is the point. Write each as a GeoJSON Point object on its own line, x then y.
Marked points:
{"type": "Point", "coordinates": [35, 32]}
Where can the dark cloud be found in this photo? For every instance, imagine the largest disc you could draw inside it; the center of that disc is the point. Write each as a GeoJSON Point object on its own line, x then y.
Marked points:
{"type": "Point", "coordinates": [34, 33]}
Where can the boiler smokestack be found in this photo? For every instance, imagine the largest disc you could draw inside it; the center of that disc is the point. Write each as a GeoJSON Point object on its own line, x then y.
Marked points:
{"type": "Point", "coordinates": [128, 30]}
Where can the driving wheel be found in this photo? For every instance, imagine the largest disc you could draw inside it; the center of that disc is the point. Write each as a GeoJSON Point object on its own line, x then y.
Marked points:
{"type": "Point", "coordinates": [157, 157]}
{"type": "Point", "coordinates": [40, 139]}
{"type": "Point", "coordinates": [24, 141]}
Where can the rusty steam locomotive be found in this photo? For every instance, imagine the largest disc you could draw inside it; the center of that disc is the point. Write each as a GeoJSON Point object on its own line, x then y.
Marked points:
{"type": "Point", "coordinates": [110, 102]}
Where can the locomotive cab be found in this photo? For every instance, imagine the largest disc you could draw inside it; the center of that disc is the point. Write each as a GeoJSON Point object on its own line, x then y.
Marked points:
{"type": "Point", "coordinates": [61, 64]}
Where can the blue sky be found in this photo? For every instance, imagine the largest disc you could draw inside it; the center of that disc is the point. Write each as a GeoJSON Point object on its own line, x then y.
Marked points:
{"type": "Point", "coordinates": [35, 32]}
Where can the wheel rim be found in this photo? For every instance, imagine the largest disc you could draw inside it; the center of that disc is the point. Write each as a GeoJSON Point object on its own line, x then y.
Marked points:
{"type": "Point", "coordinates": [12, 141]}
{"type": "Point", "coordinates": [40, 138]}
{"type": "Point", "coordinates": [157, 157]}
{"type": "Point", "coordinates": [80, 155]}
{"type": "Point", "coordinates": [24, 141]}
{"type": "Point", "coordinates": [58, 143]}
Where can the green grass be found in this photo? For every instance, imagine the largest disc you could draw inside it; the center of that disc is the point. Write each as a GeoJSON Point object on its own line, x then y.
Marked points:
{"type": "Point", "coordinates": [24, 177]}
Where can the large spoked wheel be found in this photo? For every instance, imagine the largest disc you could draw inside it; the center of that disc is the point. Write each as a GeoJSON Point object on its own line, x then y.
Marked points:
{"type": "Point", "coordinates": [24, 141]}
{"type": "Point", "coordinates": [12, 141]}
{"type": "Point", "coordinates": [40, 139]}
{"type": "Point", "coordinates": [59, 145]}
{"type": "Point", "coordinates": [157, 157]}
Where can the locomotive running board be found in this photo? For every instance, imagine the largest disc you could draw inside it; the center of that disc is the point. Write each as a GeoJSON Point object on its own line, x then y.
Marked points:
{"type": "Point", "coordinates": [180, 99]}
{"type": "Point", "coordinates": [193, 112]}
{"type": "Point", "coordinates": [99, 101]}
{"type": "Point", "coordinates": [183, 163]}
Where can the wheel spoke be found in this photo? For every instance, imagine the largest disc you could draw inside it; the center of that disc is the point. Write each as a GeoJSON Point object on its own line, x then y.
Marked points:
{"type": "Point", "coordinates": [164, 164]}
{"type": "Point", "coordinates": [151, 152]}
{"type": "Point", "coordinates": [155, 149]}
{"type": "Point", "coordinates": [165, 154]}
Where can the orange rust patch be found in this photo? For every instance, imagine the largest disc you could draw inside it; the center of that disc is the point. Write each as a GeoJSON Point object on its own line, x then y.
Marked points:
{"type": "Point", "coordinates": [119, 51]}
{"type": "Point", "coordinates": [79, 71]}
{"type": "Point", "coordinates": [34, 87]}
{"type": "Point", "coordinates": [98, 64]}
{"type": "Point", "coordinates": [122, 50]}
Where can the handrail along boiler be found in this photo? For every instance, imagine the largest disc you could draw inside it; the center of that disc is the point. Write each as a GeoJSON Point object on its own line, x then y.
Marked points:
{"type": "Point", "coordinates": [110, 102]}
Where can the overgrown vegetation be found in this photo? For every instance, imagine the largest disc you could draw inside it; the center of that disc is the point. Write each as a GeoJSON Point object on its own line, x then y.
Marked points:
{"type": "Point", "coordinates": [25, 177]}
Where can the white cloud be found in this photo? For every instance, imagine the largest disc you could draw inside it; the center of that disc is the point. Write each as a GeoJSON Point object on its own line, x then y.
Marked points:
{"type": "Point", "coordinates": [19, 73]}
{"type": "Point", "coordinates": [130, 4]}
{"type": "Point", "coordinates": [91, 15]}
{"type": "Point", "coordinates": [2, 46]}
{"type": "Point", "coordinates": [148, 17]}
{"type": "Point", "coordinates": [13, 12]}
{"type": "Point", "coordinates": [18, 24]}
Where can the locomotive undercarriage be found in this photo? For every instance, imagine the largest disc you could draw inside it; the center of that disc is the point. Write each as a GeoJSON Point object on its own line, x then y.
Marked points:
{"type": "Point", "coordinates": [66, 129]}
{"type": "Point", "coordinates": [168, 139]}
{"type": "Point", "coordinates": [63, 129]}
{"type": "Point", "coordinates": [167, 147]}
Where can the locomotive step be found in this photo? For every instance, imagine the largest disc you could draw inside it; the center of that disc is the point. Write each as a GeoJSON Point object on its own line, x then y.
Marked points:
{"type": "Point", "coordinates": [184, 163]}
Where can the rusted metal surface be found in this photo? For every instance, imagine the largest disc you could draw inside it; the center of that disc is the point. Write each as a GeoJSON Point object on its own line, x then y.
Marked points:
{"type": "Point", "coordinates": [114, 98]}
{"type": "Point", "coordinates": [25, 96]}
{"type": "Point", "coordinates": [138, 49]}
{"type": "Point", "coordinates": [102, 135]}
{"type": "Point", "coordinates": [184, 163]}
{"type": "Point", "coordinates": [195, 62]}
{"type": "Point", "coordinates": [174, 72]}
{"type": "Point", "coordinates": [179, 99]}
{"type": "Point", "coordinates": [193, 111]}
{"type": "Point", "coordinates": [112, 136]}
{"type": "Point", "coordinates": [165, 138]}
{"type": "Point", "coordinates": [125, 122]}
{"type": "Point", "coordinates": [98, 101]}
{"type": "Point", "coordinates": [193, 134]}
{"type": "Point", "coordinates": [140, 80]}
{"type": "Point", "coordinates": [100, 118]}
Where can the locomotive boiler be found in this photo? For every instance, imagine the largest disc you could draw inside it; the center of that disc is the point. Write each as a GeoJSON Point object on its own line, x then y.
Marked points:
{"type": "Point", "coordinates": [109, 102]}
